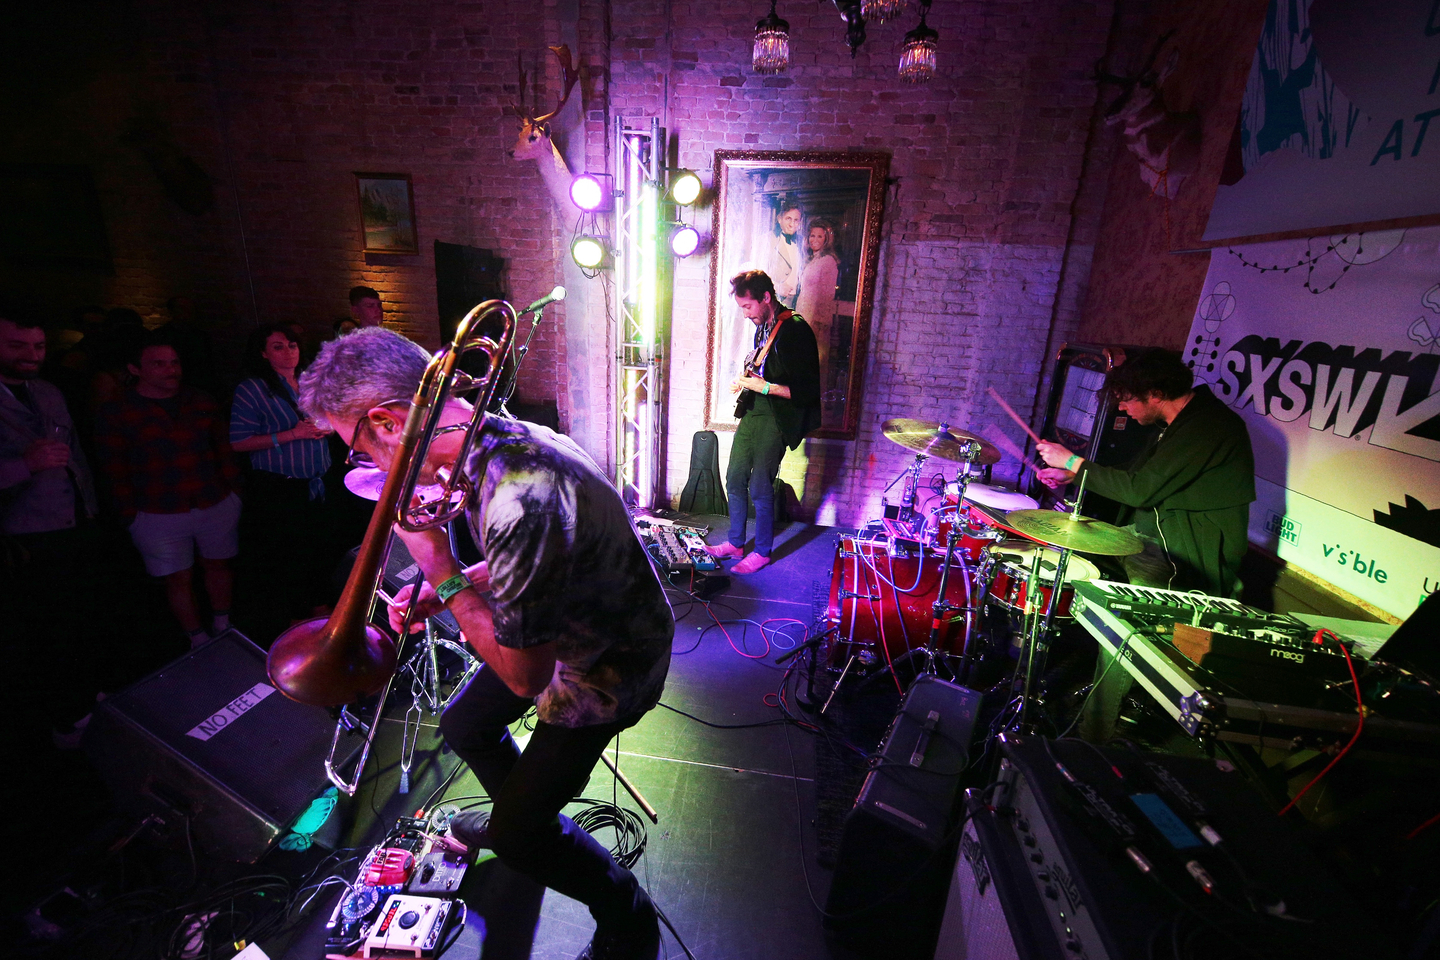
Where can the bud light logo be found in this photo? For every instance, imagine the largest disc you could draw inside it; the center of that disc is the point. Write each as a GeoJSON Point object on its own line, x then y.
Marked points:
{"type": "Point", "coordinates": [1282, 526]}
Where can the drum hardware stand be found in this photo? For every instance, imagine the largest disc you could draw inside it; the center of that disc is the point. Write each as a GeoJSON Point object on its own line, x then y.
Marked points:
{"type": "Point", "coordinates": [812, 647]}
{"type": "Point", "coordinates": [1039, 647]}
{"type": "Point", "coordinates": [906, 514]}
{"type": "Point", "coordinates": [941, 606]}
{"type": "Point", "coordinates": [424, 669]}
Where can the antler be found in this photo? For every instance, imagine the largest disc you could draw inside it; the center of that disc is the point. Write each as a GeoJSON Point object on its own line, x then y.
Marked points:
{"type": "Point", "coordinates": [1100, 76]}
{"type": "Point", "coordinates": [570, 75]}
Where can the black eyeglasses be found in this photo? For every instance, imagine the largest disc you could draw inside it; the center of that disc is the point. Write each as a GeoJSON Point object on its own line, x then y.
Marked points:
{"type": "Point", "coordinates": [357, 458]}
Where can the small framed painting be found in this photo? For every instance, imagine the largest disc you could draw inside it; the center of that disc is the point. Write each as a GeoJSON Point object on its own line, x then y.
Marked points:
{"type": "Point", "coordinates": [387, 213]}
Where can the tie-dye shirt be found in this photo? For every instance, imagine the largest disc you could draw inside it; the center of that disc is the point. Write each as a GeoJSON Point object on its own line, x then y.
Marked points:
{"type": "Point", "coordinates": [567, 567]}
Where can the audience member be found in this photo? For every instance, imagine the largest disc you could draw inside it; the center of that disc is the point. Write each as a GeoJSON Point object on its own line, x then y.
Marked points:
{"type": "Point", "coordinates": [171, 475]}
{"type": "Point", "coordinates": [47, 505]}
{"type": "Point", "coordinates": [120, 335]}
{"type": "Point", "coordinates": [193, 343]}
{"type": "Point", "coordinates": [342, 326]}
{"type": "Point", "coordinates": [284, 536]}
{"type": "Point", "coordinates": [365, 307]}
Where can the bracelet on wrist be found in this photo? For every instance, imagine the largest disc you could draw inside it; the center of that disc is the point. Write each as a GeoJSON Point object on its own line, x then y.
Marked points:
{"type": "Point", "coordinates": [1072, 463]}
{"type": "Point", "coordinates": [452, 586]}
{"type": "Point", "coordinates": [275, 441]}
{"type": "Point", "coordinates": [766, 390]}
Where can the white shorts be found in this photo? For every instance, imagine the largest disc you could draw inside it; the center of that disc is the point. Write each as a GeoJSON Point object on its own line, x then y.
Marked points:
{"type": "Point", "coordinates": [165, 539]}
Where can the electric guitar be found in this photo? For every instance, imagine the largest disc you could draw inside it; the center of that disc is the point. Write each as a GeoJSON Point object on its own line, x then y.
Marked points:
{"type": "Point", "coordinates": [755, 363]}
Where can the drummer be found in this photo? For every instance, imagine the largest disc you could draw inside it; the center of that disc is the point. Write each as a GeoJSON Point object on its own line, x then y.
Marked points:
{"type": "Point", "coordinates": [1186, 495]}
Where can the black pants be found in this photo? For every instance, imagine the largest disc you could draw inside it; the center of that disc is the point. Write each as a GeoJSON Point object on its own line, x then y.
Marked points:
{"type": "Point", "coordinates": [53, 602]}
{"type": "Point", "coordinates": [528, 791]}
{"type": "Point", "coordinates": [283, 550]}
{"type": "Point", "coordinates": [755, 457]}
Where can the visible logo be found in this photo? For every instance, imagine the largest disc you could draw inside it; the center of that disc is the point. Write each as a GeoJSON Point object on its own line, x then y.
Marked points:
{"type": "Point", "coordinates": [1287, 654]}
{"type": "Point", "coordinates": [1282, 526]}
{"type": "Point", "coordinates": [1354, 560]}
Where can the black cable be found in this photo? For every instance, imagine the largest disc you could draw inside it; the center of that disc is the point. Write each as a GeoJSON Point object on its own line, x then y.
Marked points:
{"type": "Point", "coordinates": [724, 726]}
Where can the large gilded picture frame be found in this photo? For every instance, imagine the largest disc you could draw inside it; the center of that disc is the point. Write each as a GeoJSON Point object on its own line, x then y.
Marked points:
{"type": "Point", "coordinates": [812, 221]}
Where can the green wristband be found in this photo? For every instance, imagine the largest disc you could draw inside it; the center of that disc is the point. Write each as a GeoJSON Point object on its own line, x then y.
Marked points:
{"type": "Point", "coordinates": [452, 586]}
{"type": "Point", "coordinates": [766, 391]}
{"type": "Point", "coordinates": [1073, 462]}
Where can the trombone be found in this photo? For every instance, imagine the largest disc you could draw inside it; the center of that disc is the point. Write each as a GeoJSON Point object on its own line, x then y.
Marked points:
{"type": "Point", "coordinates": [336, 661]}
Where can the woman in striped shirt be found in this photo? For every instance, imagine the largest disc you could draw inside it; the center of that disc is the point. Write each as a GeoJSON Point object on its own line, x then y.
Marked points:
{"type": "Point", "coordinates": [283, 526]}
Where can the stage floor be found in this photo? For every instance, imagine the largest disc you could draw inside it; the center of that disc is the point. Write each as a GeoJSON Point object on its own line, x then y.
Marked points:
{"type": "Point", "coordinates": [732, 861]}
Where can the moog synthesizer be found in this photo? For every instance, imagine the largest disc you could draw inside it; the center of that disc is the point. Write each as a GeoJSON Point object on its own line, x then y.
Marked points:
{"type": "Point", "coordinates": [1227, 670]}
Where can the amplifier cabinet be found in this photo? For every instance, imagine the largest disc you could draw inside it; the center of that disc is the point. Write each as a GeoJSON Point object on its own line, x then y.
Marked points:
{"type": "Point", "coordinates": [897, 848]}
{"type": "Point", "coordinates": [1072, 882]}
{"type": "Point", "coordinates": [209, 746]}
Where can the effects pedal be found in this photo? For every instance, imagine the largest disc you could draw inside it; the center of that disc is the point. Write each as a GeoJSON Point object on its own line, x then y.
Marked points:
{"type": "Point", "coordinates": [409, 927]}
{"type": "Point", "coordinates": [438, 874]}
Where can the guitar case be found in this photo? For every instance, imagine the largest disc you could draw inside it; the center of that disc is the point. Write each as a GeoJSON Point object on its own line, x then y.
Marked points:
{"type": "Point", "coordinates": [703, 492]}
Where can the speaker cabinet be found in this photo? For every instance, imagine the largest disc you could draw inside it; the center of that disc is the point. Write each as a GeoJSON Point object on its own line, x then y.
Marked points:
{"type": "Point", "coordinates": [209, 746]}
{"type": "Point", "coordinates": [896, 852]}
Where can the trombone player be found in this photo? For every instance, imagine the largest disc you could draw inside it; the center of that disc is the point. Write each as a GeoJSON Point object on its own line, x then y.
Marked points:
{"type": "Point", "coordinates": [566, 612]}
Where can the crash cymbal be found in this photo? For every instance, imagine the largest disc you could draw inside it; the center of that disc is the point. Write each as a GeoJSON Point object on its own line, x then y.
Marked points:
{"type": "Point", "coordinates": [1070, 532]}
{"type": "Point", "coordinates": [365, 482]}
{"type": "Point", "coordinates": [937, 440]}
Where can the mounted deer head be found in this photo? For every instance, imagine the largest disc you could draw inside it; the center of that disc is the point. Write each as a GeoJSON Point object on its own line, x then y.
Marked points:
{"type": "Point", "coordinates": [1166, 144]}
{"type": "Point", "coordinates": [534, 142]}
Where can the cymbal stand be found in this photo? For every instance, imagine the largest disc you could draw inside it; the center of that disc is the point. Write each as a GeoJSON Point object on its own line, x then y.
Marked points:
{"type": "Point", "coordinates": [1038, 649]}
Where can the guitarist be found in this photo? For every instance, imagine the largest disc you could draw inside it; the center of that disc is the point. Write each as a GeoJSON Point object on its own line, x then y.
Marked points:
{"type": "Point", "coordinates": [778, 403]}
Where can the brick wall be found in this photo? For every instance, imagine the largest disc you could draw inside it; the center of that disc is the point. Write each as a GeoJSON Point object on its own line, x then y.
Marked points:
{"type": "Point", "coordinates": [986, 160]}
{"type": "Point", "coordinates": [281, 103]}
{"type": "Point", "coordinates": [1140, 291]}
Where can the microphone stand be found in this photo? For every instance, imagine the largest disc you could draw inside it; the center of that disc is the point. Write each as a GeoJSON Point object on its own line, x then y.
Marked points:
{"type": "Point", "coordinates": [502, 397]}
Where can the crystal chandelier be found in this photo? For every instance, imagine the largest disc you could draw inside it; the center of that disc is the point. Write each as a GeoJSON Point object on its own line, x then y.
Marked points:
{"type": "Point", "coordinates": [772, 44]}
{"type": "Point", "coordinates": [880, 11]}
{"type": "Point", "coordinates": [917, 60]}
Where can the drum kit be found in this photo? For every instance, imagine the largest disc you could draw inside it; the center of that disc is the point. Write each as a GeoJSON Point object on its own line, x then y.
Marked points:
{"type": "Point", "coordinates": [912, 586]}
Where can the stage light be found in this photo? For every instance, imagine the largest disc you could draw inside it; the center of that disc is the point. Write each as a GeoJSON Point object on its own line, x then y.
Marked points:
{"type": "Point", "coordinates": [685, 188]}
{"type": "Point", "coordinates": [588, 252]}
{"type": "Point", "coordinates": [684, 240]}
{"type": "Point", "coordinates": [591, 192]}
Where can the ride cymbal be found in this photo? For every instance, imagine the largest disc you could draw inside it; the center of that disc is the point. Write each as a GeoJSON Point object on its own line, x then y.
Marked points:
{"type": "Point", "coordinates": [938, 440]}
{"type": "Point", "coordinates": [1070, 532]}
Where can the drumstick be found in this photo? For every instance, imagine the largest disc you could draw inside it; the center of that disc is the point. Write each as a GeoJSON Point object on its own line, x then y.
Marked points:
{"type": "Point", "coordinates": [996, 436]}
{"type": "Point", "coordinates": [1013, 415]}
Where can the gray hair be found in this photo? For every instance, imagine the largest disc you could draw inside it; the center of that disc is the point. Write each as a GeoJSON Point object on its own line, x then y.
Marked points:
{"type": "Point", "coordinates": [360, 370]}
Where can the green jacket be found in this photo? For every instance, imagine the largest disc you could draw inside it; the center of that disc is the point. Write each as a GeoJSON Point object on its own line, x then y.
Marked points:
{"type": "Point", "coordinates": [1190, 490]}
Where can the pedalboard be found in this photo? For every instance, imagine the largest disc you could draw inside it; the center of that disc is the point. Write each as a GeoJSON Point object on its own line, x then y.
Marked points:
{"type": "Point", "coordinates": [403, 899]}
{"type": "Point", "coordinates": [677, 547]}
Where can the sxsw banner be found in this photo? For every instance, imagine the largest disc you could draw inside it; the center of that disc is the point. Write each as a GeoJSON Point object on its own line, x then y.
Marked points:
{"type": "Point", "coordinates": [1329, 349]}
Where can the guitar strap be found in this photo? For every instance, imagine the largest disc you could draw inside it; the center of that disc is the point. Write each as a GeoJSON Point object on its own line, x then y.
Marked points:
{"type": "Point", "coordinates": [759, 364]}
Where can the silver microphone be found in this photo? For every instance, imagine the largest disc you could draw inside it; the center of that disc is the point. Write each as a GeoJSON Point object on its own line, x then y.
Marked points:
{"type": "Point", "coordinates": [557, 294]}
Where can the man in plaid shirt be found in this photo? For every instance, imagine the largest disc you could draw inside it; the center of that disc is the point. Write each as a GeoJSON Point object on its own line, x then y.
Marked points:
{"type": "Point", "coordinates": [165, 452]}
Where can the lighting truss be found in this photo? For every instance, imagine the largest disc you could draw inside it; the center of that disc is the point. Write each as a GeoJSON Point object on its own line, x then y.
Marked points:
{"type": "Point", "coordinates": [641, 307]}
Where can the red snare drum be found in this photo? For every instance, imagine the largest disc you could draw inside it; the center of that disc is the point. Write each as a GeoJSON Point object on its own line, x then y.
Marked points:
{"type": "Point", "coordinates": [901, 612]}
{"type": "Point", "coordinates": [1010, 564]}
